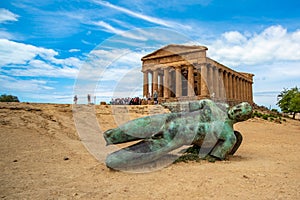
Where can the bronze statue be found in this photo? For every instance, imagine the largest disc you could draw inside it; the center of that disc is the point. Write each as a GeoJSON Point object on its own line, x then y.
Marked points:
{"type": "Point", "coordinates": [204, 123]}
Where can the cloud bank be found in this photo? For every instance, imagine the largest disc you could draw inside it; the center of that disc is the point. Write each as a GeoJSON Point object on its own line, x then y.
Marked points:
{"type": "Point", "coordinates": [272, 45]}
{"type": "Point", "coordinates": [19, 59]}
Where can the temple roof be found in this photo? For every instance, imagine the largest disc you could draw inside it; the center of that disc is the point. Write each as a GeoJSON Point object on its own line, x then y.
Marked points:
{"type": "Point", "coordinates": [172, 49]}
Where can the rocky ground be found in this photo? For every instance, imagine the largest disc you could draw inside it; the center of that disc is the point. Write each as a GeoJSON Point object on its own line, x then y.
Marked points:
{"type": "Point", "coordinates": [44, 157]}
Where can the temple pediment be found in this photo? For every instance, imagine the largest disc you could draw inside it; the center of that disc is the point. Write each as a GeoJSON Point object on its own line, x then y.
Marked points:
{"type": "Point", "coordinates": [173, 49]}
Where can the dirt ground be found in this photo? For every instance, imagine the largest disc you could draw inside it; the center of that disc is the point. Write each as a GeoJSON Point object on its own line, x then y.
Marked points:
{"type": "Point", "coordinates": [42, 157]}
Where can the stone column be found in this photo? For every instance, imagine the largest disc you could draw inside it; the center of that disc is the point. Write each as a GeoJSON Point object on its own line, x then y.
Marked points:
{"type": "Point", "coordinates": [160, 86]}
{"type": "Point", "coordinates": [229, 86]}
{"type": "Point", "coordinates": [199, 82]}
{"type": "Point", "coordinates": [151, 83]}
{"type": "Point", "coordinates": [238, 88]}
{"type": "Point", "coordinates": [178, 82]}
{"type": "Point", "coordinates": [146, 86]}
{"type": "Point", "coordinates": [216, 83]}
{"type": "Point", "coordinates": [172, 82]}
{"type": "Point", "coordinates": [243, 90]}
{"type": "Point", "coordinates": [191, 85]}
{"type": "Point", "coordinates": [251, 93]}
{"type": "Point", "coordinates": [225, 82]}
{"type": "Point", "coordinates": [233, 88]}
{"type": "Point", "coordinates": [155, 81]}
{"type": "Point", "coordinates": [221, 84]}
{"type": "Point", "coordinates": [166, 83]}
{"type": "Point", "coordinates": [246, 94]}
{"type": "Point", "coordinates": [246, 91]}
{"type": "Point", "coordinates": [236, 96]}
{"type": "Point", "coordinates": [204, 89]}
{"type": "Point", "coordinates": [210, 79]}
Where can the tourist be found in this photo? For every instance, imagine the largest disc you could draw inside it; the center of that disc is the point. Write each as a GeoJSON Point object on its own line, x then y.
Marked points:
{"type": "Point", "coordinates": [89, 98]}
{"type": "Point", "coordinates": [149, 98]}
{"type": "Point", "coordinates": [75, 99]}
{"type": "Point", "coordinates": [155, 97]}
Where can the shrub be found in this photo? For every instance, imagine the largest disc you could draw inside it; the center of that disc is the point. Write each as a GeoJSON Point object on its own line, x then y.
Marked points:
{"type": "Point", "coordinates": [257, 114]}
{"type": "Point", "coordinates": [265, 117]}
{"type": "Point", "coordinates": [274, 110]}
{"type": "Point", "coordinates": [8, 98]}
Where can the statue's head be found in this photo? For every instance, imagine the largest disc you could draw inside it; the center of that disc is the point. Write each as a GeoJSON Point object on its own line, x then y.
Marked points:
{"type": "Point", "coordinates": [240, 112]}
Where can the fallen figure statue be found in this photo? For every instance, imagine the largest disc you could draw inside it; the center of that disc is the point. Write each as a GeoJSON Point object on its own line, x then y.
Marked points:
{"type": "Point", "coordinates": [204, 123]}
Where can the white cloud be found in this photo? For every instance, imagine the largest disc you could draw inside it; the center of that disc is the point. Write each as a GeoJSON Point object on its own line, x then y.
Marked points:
{"type": "Point", "coordinates": [234, 37]}
{"type": "Point", "coordinates": [6, 35]}
{"type": "Point", "coordinates": [170, 5]}
{"type": "Point", "coordinates": [147, 18]}
{"type": "Point", "coordinates": [88, 43]}
{"type": "Point", "coordinates": [70, 62]}
{"type": "Point", "coordinates": [274, 44]}
{"type": "Point", "coordinates": [19, 53]}
{"type": "Point", "coordinates": [24, 68]}
{"type": "Point", "coordinates": [110, 71]}
{"type": "Point", "coordinates": [121, 57]}
{"type": "Point", "coordinates": [74, 50]}
{"type": "Point", "coordinates": [34, 89]}
{"type": "Point", "coordinates": [18, 85]}
{"type": "Point", "coordinates": [39, 68]}
{"type": "Point", "coordinates": [109, 64]}
{"type": "Point", "coordinates": [6, 16]}
{"type": "Point", "coordinates": [19, 59]}
{"type": "Point", "coordinates": [273, 55]}
{"type": "Point", "coordinates": [108, 28]}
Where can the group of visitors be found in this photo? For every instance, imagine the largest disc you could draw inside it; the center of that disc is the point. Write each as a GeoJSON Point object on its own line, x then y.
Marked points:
{"type": "Point", "coordinates": [126, 100]}
{"type": "Point", "coordinates": [120, 101]}
{"type": "Point", "coordinates": [136, 100]}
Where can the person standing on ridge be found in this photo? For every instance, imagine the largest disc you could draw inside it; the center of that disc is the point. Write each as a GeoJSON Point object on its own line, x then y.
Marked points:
{"type": "Point", "coordinates": [155, 97]}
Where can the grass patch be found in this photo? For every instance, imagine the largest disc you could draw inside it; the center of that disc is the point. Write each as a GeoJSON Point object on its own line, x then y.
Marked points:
{"type": "Point", "coordinates": [192, 154]}
{"type": "Point", "coordinates": [273, 116]}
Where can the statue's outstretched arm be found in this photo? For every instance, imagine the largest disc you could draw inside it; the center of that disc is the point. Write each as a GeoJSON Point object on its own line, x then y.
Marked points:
{"type": "Point", "coordinates": [137, 129]}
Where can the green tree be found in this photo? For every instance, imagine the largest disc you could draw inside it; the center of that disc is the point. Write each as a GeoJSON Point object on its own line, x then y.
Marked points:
{"type": "Point", "coordinates": [289, 101]}
{"type": "Point", "coordinates": [8, 98]}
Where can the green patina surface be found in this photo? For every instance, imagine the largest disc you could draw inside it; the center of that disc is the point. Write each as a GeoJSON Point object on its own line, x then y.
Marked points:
{"type": "Point", "coordinates": [202, 123]}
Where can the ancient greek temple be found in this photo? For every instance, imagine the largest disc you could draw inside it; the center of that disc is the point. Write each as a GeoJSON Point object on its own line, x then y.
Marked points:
{"type": "Point", "coordinates": [180, 72]}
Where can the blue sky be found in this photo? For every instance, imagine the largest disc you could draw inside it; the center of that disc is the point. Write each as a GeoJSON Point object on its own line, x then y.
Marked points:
{"type": "Point", "coordinates": [51, 49]}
